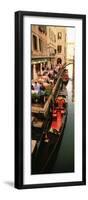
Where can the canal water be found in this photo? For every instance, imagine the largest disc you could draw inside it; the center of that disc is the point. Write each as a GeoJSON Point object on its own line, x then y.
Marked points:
{"type": "Point", "coordinates": [65, 156]}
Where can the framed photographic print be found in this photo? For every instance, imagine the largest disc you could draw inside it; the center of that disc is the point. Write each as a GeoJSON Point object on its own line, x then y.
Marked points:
{"type": "Point", "coordinates": [50, 99]}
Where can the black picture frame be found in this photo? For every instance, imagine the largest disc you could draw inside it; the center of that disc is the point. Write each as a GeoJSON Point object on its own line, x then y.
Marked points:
{"type": "Point", "coordinates": [19, 77]}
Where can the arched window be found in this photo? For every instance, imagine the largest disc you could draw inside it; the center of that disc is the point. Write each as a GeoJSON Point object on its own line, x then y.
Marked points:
{"type": "Point", "coordinates": [59, 60]}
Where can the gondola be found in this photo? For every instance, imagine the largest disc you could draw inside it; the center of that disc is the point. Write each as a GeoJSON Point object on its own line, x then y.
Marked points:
{"type": "Point", "coordinates": [52, 135]}
{"type": "Point", "coordinates": [65, 77]}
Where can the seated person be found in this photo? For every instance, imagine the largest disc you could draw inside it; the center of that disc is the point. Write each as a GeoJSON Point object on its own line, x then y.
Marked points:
{"type": "Point", "coordinates": [36, 86]}
{"type": "Point", "coordinates": [60, 101]}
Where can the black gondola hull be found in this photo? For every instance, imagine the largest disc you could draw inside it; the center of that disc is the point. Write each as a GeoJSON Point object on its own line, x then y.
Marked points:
{"type": "Point", "coordinates": [47, 152]}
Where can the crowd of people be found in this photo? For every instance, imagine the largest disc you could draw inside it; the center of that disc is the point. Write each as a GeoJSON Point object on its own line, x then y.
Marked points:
{"type": "Point", "coordinates": [45, 80]}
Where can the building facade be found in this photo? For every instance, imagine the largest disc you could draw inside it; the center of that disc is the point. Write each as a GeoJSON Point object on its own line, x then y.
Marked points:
{"type": "Point", "coordinates": [39, 49]}
{"type": "Point", "coordinates": [51, 45]}
{"type": "Point", "coordinates": [61, 45]}
{"type": "Point", "coordinates": [48, 48]}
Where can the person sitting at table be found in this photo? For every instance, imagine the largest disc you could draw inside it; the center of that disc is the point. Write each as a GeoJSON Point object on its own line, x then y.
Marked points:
{"type": "Point", "coordinates": [32, 87]}
{"type": "Point", "coordinates": [37, 86]}
{"type": "Point", "coordinates": [42, 88]}
{"type": "Point", "coordinates": [42, 93]}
